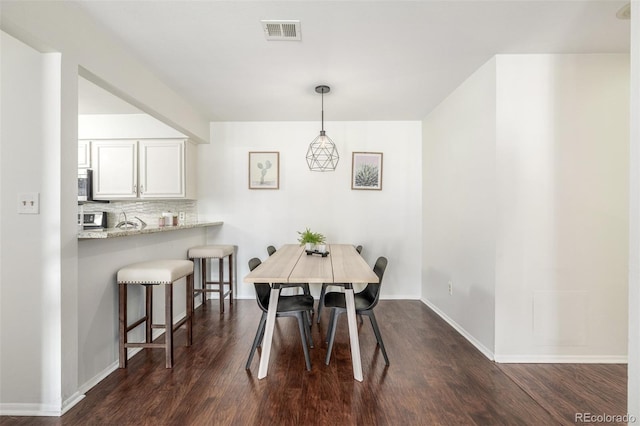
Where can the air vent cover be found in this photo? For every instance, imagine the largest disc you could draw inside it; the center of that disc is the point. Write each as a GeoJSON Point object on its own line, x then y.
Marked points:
{"type": "Point", "coordinates": [281, 30]}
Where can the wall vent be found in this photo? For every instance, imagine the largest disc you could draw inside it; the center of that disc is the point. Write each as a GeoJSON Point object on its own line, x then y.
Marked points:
{"type": "Point", "coordinates": [281, 30]}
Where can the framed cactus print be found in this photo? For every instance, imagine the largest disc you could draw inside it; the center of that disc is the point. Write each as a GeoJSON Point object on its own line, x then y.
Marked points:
{"type": "Point", "coordinates": [264, 170]}
{"type": "Point", "coordinates": [366, 170]}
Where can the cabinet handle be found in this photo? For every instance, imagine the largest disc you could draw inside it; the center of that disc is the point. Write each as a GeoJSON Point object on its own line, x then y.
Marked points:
{"type": "Point", "coordinates": [135, 189]}
{"type": "Point", "coordinates": [142, 189]}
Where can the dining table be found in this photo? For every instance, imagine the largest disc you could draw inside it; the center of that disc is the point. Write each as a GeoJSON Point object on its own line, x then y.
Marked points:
{"type": "Point", "coordinates": [293, 264]}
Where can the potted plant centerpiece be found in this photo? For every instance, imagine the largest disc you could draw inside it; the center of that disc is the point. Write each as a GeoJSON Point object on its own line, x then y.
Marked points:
{"type": "Point", "coordinates": [310, 239]}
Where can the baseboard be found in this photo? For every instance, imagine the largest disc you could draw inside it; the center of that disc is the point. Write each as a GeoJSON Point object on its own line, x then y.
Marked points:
{"type": "Point", "coordinates": [30, 410]}
{"type": "Point", "coordinates": [70, 402]}
{"type": "Point", "coordinates": [50, 410]}
{"type": "Point", "coordinates": [560, 359]}
{"type": "Point", "coordinates": [528, 359]}
{"type": "Point", "coordinates": [475, 342]}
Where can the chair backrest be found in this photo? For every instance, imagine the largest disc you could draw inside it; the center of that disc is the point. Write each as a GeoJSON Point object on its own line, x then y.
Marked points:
{"type": "Point", "coordinates": [372, 291]}
{"type": "Point", "coordinates": [359, 249]}
{"type": "Point", "coordinates": [271, 250]}
{"type": "Point", "coordinates": [262, 289]}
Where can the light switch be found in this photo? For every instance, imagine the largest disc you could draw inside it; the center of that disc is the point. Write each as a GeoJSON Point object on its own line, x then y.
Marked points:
{"type": "Point", "coordinates": [29, 203]}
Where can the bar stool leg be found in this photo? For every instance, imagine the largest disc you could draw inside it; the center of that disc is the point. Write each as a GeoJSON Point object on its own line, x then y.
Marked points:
{"type": "Point", "coordinates": [221, 283]}
{"type": "Point", "coordinates": [189, 309]}
{"type": "Point", "coordinates": [203, 273]}
{"type": "Point", "coordinates": [168, 323]}
{"type": "Point", "coordinates": [122, 322]}
{"type": "Point", "coordinates": [231, 279]}
{"type": "Point", "coordinates": [148, 312]}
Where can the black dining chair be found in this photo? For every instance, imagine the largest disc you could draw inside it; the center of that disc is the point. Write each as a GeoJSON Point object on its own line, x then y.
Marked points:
{"type": "Point", "coordinates": [365, 301]}
{"type": "Point", "coordinates": [324, 290]}
{"type": "Point", "coordinates": [303, 286]}
{"type": "Point", "coordinates": [288, 306]}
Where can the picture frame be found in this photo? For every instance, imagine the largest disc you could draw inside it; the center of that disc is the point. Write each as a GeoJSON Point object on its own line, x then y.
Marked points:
{"type": "Point", "coordinates": [264, 170]}
{"type": "Point", "coordinates": [366, 171]}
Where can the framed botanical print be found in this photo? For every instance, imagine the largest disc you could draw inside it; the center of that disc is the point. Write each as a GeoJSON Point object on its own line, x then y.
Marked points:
{"type": "Point", "coordinates": [366, 170]}
{"type": "Point", "coordinates": [264, 170]}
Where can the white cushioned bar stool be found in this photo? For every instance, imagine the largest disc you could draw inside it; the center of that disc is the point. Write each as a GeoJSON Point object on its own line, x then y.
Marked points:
{"type": "Point", "coordinates": [150, 274]}
{"type": "Point", "coordinates": [204, 253]}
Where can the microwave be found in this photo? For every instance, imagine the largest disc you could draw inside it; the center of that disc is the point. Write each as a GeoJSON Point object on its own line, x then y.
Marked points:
{"type": "Point", "coordinates": [85, 185]}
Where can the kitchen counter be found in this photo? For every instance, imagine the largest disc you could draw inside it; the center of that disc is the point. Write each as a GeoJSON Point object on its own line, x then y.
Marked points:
{"type": "Point", "coordinates": [116, 232]}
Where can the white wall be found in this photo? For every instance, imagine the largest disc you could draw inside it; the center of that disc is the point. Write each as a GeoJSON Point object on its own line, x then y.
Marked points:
{"type": "Point", "coordinates": [63, 28]}
{"type": "Point", "coordinates": [123, 126]}
{"type": "Point", "coordinates": [547, 212]}
{"type": "Point", "coordinates": [562, 173]}
{"type": "Point", "coordinates": [30, 289]}
{"type": "Point", "coordinates": [387, 222]}
{"type": "Point", "coordinates": [459, 207]}
{"type": "Point", "coordinates": [633, 371]}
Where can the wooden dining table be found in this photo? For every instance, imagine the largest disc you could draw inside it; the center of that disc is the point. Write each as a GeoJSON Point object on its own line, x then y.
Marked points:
{"type": "Point", "coordinates": [291, 264]}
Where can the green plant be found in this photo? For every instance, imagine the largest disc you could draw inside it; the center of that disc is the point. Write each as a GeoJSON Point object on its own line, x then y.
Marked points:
{"type": "Point", "coordinates": [307, 236]}
{"type": "Point", "coordinates": [367, 175]}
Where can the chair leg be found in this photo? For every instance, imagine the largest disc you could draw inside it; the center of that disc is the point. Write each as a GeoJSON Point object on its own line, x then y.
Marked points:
{"type": "Point", "coordinates": [303, 337]}
{"type": "Point", "coordinates": [331, 319]}
{"type": "Point", "coordinates": [332, 334]}
{"type": "Point", "coordinates": [321, 301]}
{"type": "Point", "coordinates": [257, 339]}
{"type": "Point", "coordinates": [376, 331]}
{"type": "Point", "coordinates": [306, 290]}
{"type": "Point", "coordinates": [307, 327]}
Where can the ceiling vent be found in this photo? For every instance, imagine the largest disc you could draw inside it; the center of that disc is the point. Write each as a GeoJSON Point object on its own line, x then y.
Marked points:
{"type": "Point", "coordinates": [281, 30]}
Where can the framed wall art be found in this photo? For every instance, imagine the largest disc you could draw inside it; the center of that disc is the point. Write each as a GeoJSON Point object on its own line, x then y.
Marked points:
{"type": "Point", "coordinates": [264, 170]}
{"type": "Point", "coordinates": [366, 170]}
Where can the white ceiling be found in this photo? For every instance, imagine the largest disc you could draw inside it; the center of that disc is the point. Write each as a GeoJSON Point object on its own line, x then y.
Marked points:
{"type": "Point", "coordinates": [384, 60]}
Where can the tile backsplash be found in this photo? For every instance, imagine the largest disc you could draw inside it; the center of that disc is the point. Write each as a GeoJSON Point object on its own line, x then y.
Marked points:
{"type": "Point", "coordinates": [149, 211]}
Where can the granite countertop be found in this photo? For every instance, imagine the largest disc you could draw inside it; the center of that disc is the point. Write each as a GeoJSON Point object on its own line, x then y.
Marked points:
{"type": "Point", "coordinates": [116, 232]}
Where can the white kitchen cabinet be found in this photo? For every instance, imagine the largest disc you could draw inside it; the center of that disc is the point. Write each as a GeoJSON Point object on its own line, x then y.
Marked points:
{"type": "Point", "coordinates": [144, 169]}
{"type": "Point", "coordinates": [115, 169]}
{"type": "Point", "coordinates": [162, 169]}
{"type": "Point", "coordinates": [84, 154]}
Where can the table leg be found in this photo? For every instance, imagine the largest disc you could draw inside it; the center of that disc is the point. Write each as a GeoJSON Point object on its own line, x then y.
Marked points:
{"type": "Point", "coordinates": [353, 333]}
{"type": "Point", "coordinates": [268, 331]}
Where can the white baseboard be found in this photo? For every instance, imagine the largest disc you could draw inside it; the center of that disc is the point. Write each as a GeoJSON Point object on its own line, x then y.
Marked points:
{"type": "Point", "coordinates": [51, 410]}
{"type": "Point", "coordinates": [70, 402]}
{"type": "Point", "coordinates": [483, 349]}
{"type": "Point", "coordinates": [560, 359]}
{"type": "Point", "coordinates": [532, 358]}
{"type": "Point", "coordinates": [31, 410]}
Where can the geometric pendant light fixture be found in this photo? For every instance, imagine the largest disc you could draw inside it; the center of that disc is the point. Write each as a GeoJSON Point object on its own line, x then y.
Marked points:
{"type": "Point", "coordinates": [322, 155]}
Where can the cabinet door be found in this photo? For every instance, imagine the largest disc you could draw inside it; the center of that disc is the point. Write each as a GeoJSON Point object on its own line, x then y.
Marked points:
{"type": "Point", "coordinates": [84, 154]}
{"type": "Point", "coordinates": [115, 169]}
{"type": "Point", "coordinates": [162, 172]}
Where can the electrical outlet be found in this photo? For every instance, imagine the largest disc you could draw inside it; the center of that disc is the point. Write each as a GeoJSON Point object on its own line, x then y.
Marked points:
{"type": "Point", "coordinates": [29, 203]}
{"type": "Point", "coordinates": [450, 287]}
{"type": "Point", "coordinates": [182, 217]}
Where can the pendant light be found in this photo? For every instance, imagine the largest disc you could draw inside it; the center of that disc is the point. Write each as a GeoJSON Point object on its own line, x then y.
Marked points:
{"type": "Point", "coordinates": [322, 155]}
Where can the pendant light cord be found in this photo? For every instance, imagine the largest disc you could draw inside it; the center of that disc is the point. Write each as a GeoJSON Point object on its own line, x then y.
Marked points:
{"type": "Point", "coordinates": [322, 110]}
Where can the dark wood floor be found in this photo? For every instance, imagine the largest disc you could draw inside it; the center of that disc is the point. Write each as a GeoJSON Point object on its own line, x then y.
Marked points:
{"type": "Point", "coordinates": [436, 378]}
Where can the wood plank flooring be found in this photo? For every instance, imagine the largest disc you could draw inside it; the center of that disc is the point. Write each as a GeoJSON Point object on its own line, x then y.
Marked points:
{"type": "Point", "coordinates": [436, 377]}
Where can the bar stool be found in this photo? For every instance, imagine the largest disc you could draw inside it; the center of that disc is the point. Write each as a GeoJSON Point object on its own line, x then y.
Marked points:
{"type": "Point", "coordinates": [213, 252]}
{"type": "Point", "coordinates": [150, 274]}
